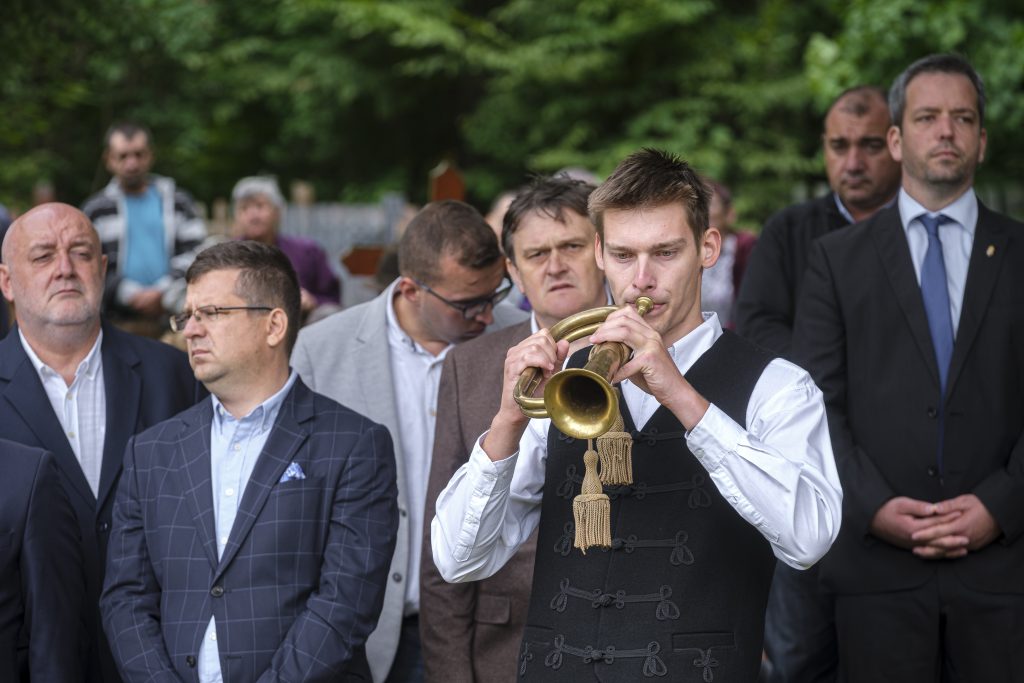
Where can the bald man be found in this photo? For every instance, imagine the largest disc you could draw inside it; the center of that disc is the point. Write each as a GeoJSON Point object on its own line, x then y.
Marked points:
{"type": "Point", "coordinates": [75, 386]}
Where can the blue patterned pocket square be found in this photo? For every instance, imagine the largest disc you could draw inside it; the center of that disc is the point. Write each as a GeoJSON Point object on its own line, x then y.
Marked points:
{"type": "Point", "coordinates": [293, 472]}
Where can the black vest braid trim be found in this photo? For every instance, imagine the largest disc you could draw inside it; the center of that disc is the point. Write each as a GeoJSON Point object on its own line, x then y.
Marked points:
{"type": "Point", "coordinates": [525, 657]}
{"type": "Point", "coordinates": [652, 665]}
{"type": "Point", "coordinates": [563, 545]}
{"type": "Point", "coordinates": [698, 498]}
{"type": "Point", "coordinates": [651, 436]}
{"type": "Point", "coordinates": [680, 555]}
{"type": "Point", "coordinates": [706, 662]}
{"type": "Point", "coordinates": [598, 598]}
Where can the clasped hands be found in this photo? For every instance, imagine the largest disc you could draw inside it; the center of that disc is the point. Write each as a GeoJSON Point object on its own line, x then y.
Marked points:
{"type": "Point", "coordinates": [935, 531]}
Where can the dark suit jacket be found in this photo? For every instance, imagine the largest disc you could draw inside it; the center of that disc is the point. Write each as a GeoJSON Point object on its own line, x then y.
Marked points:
{"type": "Point", "coordinates": [863, 334]}
{"type": "Point", "coordinates": [471, 631]}
{"type": "Point", "coordinates": [42, 588]}
{"type": "Point", "coordinates": [301, 580]}
{"type": "Point", "coordinates": [145, 382]}
{"type": "Point", "coordinates": [766, 305]}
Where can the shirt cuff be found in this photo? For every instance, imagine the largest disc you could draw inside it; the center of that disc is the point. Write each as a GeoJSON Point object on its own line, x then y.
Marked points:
{"type": "Point", "coordinates": [484, 477]}
{"type": "Point", "coordinates": [714, 437]}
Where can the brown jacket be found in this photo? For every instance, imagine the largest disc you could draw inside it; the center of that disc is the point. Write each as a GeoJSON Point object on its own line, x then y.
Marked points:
{"type": "Point", "coordinates": [471, 632]}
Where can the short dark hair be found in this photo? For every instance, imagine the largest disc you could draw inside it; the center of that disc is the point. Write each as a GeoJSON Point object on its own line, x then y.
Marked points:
{"type": "Point", "coordinates": [652, 178]}
{"type": "Point", "coordinates": [857, 100]}
{"type": "Point", "coordinates": [938, 63]}
{"type": "Point", "coordinates": [446, 228]}
{"type": "Point", "coordinates": [551, 196]}
{"type": "Point", "coordinates": [129, 129]}
{"type": "Point", "coordinates": [267, 277]}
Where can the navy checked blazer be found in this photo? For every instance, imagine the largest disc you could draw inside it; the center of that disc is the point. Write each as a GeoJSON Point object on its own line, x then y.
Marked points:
{"type": "Point", "coordinates": [301, 581]}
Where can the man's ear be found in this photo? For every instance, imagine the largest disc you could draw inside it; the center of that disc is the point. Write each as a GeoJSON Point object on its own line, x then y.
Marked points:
{"type": "Point", "coordinates": [407, 288]}
{"type": "Point", "coordinates": [711, 247]}
{"type": "Point", "coordinates": [277, 327]}
{"type": "Point", "coordinates": [598, 251]}
{"type": "Point", "coordinates": [894, 138]}
{"type": "Point", "coordinates": [5, 284]}
{"type": "Point", "coordinates": [513, 272]}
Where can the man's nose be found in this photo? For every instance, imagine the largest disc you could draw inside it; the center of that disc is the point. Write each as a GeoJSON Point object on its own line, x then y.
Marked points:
{"type": "Point", "coordinates": [485, 316]}
{"type": "Point", "coordinates": [854, 159]}
{"type": "Point", "coordinates": [556, 262]}
{"type": "Point", "coordinates": [643, 278]}
{"type": "Point", "coordinates": [64, 266]}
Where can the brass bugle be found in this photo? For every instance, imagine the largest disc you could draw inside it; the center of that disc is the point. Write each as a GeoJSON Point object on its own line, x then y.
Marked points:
{"type": "Point", "coordinates": [581, 402]}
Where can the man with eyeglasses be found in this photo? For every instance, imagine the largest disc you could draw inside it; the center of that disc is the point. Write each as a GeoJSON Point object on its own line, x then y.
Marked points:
{"type": "Point", "coordinates": [253, 532]}
{"type": "Point", "coordinates": [383, 359]}
{"type": "Point", "coordinates": [74, 385]}
{"type": "Point", "coordinates": [472, 631]}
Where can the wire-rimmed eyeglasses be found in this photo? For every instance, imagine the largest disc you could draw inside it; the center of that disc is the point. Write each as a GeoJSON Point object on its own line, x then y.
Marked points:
{"type": "Point", "coordinates": [208, 314]}
{"type": "Point", "coordinates": [471, 308]}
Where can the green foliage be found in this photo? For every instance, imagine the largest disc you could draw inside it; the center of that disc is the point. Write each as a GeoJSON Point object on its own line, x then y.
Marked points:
{"type": "Point", "coordinates": [361, 96]}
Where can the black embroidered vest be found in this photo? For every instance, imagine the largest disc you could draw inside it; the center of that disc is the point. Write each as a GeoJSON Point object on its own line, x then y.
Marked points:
{"type": "Point", "coordinates": [681, 594]}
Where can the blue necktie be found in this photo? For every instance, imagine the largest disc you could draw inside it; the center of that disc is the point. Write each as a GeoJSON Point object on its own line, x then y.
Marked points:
{"type": "Point", "coordinates": [935, 292]}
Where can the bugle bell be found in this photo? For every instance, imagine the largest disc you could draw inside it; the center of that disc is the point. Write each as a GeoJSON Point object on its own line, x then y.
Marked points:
{"type": "Point", "coordinates": [581, 402]}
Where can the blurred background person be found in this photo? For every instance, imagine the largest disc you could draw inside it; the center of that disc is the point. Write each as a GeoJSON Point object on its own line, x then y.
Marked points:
{"type": "Point", "coordinates": [259, 210]}
{"type": "Point", "coordinates": [721, 282]}
{"type": "Point", "coordinates": [149, 228]}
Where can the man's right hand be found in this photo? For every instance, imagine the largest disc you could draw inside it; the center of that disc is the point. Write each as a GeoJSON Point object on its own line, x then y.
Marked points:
{"type": "Point", "coordinates": [536, 351]}
{"type": "Point", "coordinates": [900, 518]}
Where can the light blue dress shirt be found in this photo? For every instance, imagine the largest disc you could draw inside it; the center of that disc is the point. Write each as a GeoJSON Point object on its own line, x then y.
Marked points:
{"type": "Point", "coordinates": [956, 235]}
{"type": "Point", "coordinates": [235, 445]}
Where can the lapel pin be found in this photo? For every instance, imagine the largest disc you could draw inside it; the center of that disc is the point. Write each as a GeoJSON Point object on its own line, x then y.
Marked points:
{"type": "Point", "coordinates": [991, 251]}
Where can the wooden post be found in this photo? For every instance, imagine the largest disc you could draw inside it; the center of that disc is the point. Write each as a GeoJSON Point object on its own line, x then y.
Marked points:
{"type": "Point", "coordinates": [446, 182]}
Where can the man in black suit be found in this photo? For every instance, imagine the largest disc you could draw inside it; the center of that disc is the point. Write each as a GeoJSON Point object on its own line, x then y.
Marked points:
{"type": "Point", "coordinates": [863, 178]}
{"type": "Point", "coordinates": [799, 631]}
{"type": "Point", "coordinates": [912, 323]}
{"type": "Point", "coordinates": [77, 387]}
{"type": "Point", "coordinates": [41, 583]}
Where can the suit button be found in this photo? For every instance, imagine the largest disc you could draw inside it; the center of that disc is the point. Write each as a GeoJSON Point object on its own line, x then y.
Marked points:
{"type": "Point", "coordinates": [104, 527]}
{"type": "Point", "coordinates": [932, 471]}
{"type": "Point", "coordinates": [932, 413]}
{"type": "Point", "coordinates": [191, 661]}
{"type": "Point", "coordinates": [396, 577]}
{"type": "Point", "coordinates": [217, 591]}
{"type": "Point", "coordinates": [403, 513]}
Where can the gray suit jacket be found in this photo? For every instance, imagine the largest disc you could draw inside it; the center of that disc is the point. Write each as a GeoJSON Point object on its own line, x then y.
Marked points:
{"type": "Point", "coordinates": [346, 357]}
{"type": "Point", "coordinates": [471, 632]}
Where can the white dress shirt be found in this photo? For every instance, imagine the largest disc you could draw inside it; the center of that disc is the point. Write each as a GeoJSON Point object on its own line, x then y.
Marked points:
{"type": "Point", "coordinates": [956, 235]}
{"type": "Point", "coordinates": [416, 376]}
{"type": "Point", "coordinates": [81, 408]}
{"type": "Point", "coordinates": [778, 473]}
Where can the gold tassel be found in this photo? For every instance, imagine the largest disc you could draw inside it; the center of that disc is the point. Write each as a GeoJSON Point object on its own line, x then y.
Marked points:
{"type": "Point", "coordinates": [592, 509]}
{"type": "Point", "coordinates": [616, 450]}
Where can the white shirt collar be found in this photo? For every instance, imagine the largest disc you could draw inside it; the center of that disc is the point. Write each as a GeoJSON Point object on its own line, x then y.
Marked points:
{"type": "Point", "coordinates": [963, 210]}
{"type": "Point", "coordinates": [692, 346]}
{"type": "Point", "coordinates": [89, 366]}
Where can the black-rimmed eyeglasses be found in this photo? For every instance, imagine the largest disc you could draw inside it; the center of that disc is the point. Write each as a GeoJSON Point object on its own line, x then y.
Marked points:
{"type": "Point", "coordinates": [209, 314]}
{"type": "Point", "coordinates": [471, 308]}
